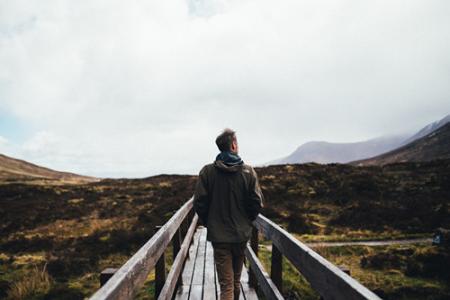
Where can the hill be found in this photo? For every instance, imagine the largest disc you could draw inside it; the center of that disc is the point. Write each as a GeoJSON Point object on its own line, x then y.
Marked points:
{"type": "Point", "coordinates": [435, 145]}
{"type": "Point", "coordinates": [326, 152]}
{"type": "Point", "coordinates": [13, 170]}
{"type": "Point", "coordinates": [428, 129]}
{"type": "Point", "coordinates": [72, 232]}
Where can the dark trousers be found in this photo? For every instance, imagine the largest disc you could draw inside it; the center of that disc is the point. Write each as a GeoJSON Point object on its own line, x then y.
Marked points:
{"type": "Point", "coordinates": [229, 260]}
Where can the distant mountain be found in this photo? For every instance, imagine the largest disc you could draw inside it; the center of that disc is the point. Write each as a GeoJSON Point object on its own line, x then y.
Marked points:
{"type": "Point", "coordinates": [428, 129]}
{"type": "Point", "coordinates": [326, 152]}
{"type": "Point", "coordinates": [12, 169]}
{"type": "Point", "coordinates": [435, 145]}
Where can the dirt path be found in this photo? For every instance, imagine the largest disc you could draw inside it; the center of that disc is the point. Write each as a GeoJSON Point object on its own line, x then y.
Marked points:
{"type": "Point", "coordinates": [366, 243]}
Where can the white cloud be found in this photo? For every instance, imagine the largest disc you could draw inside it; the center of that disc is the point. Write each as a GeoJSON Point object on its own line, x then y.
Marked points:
{"type": "Point", "coordinates": [120, 88]}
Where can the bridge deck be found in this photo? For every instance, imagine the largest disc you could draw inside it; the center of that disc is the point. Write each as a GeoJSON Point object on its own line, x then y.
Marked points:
{"type": "Point", "coordinates": [199, 277]}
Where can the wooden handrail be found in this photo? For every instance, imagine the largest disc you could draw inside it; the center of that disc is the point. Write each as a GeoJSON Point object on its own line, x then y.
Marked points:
{"type": "Point", "coordinates": [132, 275]}
{"type": "Point", "coordinates": [327, 279]}
{"type": "Point", "coordinates": [267, 286]}
{"type": "Point", "coordinates": [177, 266]}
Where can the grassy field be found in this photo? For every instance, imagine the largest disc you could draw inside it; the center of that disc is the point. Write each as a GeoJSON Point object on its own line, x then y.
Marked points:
{"type": "Point", "coordinates": [393, 272]}
{"type": "Point", "coordinates": [70, 233]}
{"type": "Point", "coordinates": [56, 238]}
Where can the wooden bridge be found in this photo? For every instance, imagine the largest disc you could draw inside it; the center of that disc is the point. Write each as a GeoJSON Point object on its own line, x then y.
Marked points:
{"type": "Point", "coordinates": [193, 275]}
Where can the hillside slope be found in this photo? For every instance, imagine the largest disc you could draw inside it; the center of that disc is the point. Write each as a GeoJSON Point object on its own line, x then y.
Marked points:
{"type": "Point", "coordinates": [76, 231]}
{"type": "Point", "coordinates": [433, 146]}
{"type": "Point", "coordinates": [326, 152]}
{"type": "Point", "coordinates": [12, 169]}
{"type": "Point", "coordinates": [428, 129]}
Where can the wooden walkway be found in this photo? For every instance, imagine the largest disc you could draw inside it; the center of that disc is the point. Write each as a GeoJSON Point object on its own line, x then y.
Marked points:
{"type": "Point", "coordinates": [199, 276]}
{"type": "Point", "coordinates": [193, 266]}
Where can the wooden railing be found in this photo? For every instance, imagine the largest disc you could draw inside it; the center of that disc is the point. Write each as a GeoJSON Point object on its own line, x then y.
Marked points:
{"type": "Point", "coordinates": [127, 280]}
{"type": "Point", "coordinates": [325, 278]}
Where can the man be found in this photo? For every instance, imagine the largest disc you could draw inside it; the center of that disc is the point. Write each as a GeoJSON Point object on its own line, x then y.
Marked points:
{"type": "Point", "coordinates": [227, 199]}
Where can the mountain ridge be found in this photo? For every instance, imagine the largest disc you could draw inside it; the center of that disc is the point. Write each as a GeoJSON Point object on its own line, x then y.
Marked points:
{"type": "Point", "coordinates": [433, 146]}
{"type": "Point", "coordinates": [12, 169]}
{"type": "Point", "coordinates": [329, 152]}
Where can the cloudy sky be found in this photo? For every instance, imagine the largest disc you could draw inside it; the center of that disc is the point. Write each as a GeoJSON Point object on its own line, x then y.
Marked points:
{"type": "Point", "coordinates": [137, 88]}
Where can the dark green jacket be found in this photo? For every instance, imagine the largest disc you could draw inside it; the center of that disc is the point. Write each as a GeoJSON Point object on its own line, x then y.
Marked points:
{"type": "Point", "coordinates": [227, 199]}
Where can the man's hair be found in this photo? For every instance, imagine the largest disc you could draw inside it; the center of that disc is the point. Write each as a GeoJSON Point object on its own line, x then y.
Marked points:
{"type": "Point", "coordinates": [225, 139]}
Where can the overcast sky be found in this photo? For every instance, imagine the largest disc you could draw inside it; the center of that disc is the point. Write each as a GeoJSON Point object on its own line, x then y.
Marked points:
{"type": "Point", "coordinates": [137, 88]}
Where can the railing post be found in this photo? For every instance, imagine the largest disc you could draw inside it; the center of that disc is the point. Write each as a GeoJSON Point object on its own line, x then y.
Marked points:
{"type": "Point", "coordinates": [254, 244]}
{"type": "Point", "coordinates": [189, 220]}
{"type": "Point", "coordinates": [191, 216]}
{"type": "Point", "coordinates": [106, 274]}
{"type": "Point", "coordinates": [160, 271]}
{"type": "Point", "coordinates": [176, 243]}
{"type": "Point", "coordinates": [182, 229]}
{"type": "Point", "coordinates": [345, 269]}
{"type": "Point", "coordinates": [276, 271]}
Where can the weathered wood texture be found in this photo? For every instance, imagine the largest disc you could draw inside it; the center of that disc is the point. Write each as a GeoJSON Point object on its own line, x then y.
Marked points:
{"type": "Point", "coordinates": [209, 283]}
{"type": "Point", "coordinates": [324, 277]}
{"type": "Point", "coordinates": [276, 268]}
{"type": "Point", "coordinates": [248, 292]}
{"type": "Point", "coordinates": [254, 243]}
{"type": "Point", "coordinates": [177, 266]}
{"type": "Point", "coordinates": [160, 270]}
{"type": "Point", "coordinates": [131, 276]}
{"type": "Point", "coordinates": [195, 263]}
{"type": "Point", "coordinates": [199, 268]}
{"type": "Point", "coordinates": [200, 265]}
{"type": "Point", "coordinates": [267, 286]}
{"type": "Point", "coordinates": [188, 270]}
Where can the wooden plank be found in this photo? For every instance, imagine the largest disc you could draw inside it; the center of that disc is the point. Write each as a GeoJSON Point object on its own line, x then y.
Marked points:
{"type": "Point", "coordinates": [244, 275]}
{"type": "Point", "coordinates": [209, 265]}
{"type": "Point", "coordinates": [267, 286]}
{"type": "Point", "coordinates": [248, 292]}
{"type": "Point", "coordinates": [183, 292]}
{"type": "Point", "coordinates": [241, 295]}
{"type": "Point", "coordinates": [200, 259]}
{"type": "Point", "coordinates": [188, 270]}
{"type": "Point", "coordinates": [209, 288]}
{"type": "Point", "coordinates": [132, 275]}
{"type": "Point", "coordinates": [199, 268]}
{"type": "Point", "coordinates": [216, 279]}
{"type": "Point", "coordinates": [196, 292]}
{"type": "Point", "coordinates": [209, 292]}
{"type": "Point", "coordinates": [172, 278]}
{"type": "Point", "coordinates": [324, 277]}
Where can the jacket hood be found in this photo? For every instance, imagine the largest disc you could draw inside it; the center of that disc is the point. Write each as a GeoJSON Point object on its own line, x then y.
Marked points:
{"type": "Point", "coordinates": [228, 161]}
{"type": "Point", "coordinates": [226, 168]}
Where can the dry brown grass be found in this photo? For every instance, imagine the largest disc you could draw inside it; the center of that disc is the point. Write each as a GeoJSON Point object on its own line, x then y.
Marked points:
{"type": "Point", "coordinates": [74, 228]}
{"type": "Point", "coordinates": [34, 282]}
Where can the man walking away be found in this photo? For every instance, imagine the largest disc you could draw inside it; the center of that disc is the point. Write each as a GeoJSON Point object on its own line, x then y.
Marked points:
{"type": "Point", "coordinates": [227, 199]}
